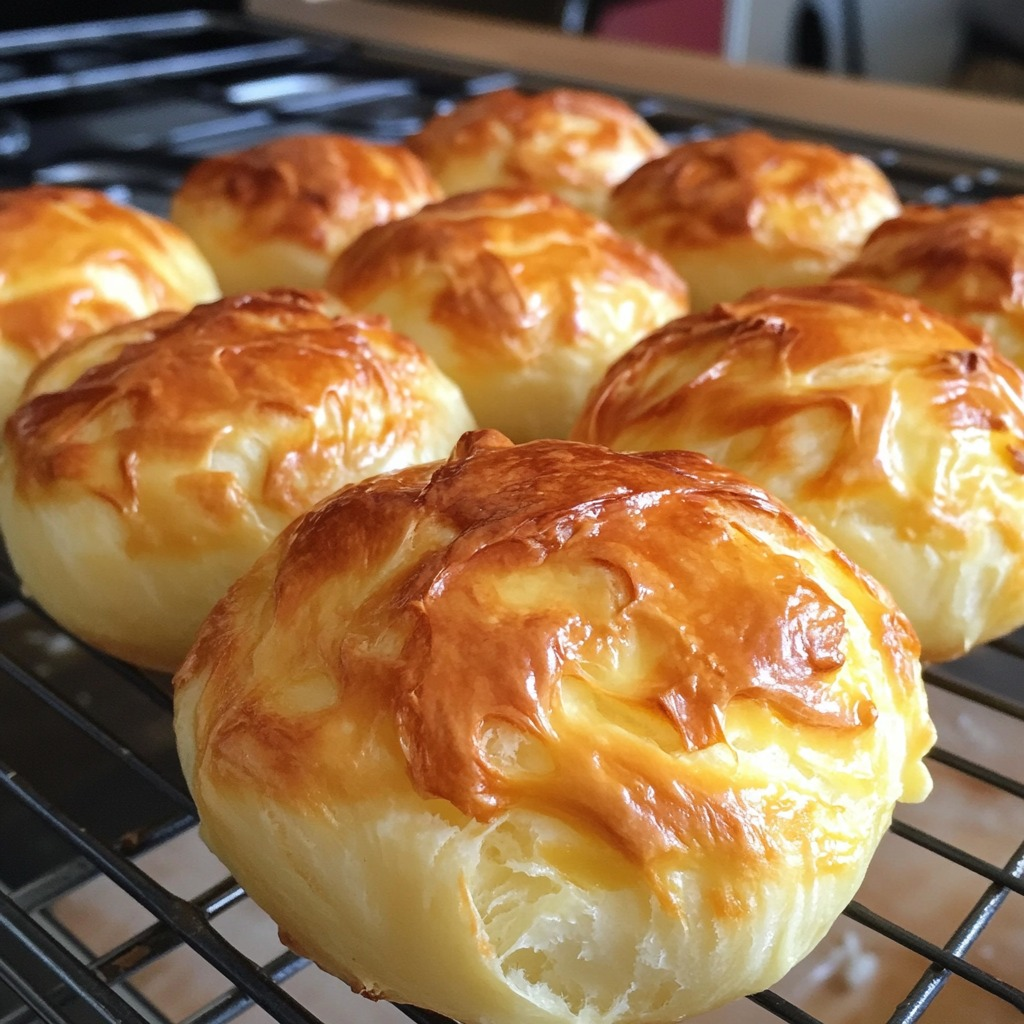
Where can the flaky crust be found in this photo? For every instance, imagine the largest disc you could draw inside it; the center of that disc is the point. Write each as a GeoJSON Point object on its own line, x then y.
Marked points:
{"type": "Point", "coordinates": [617, 733]}
{"type": "Point", "coordinates": [572, 142]}
{"type": "Point", "coordinates": [521, 298]}
{"type": "Point", "coordinates": [277, 214]}
{"type": "Point", "coordinates": [154, 464]}
{"type": "Point", "coordinates": [746, 210]}
{"type": "Point", "coordinates": [898, 431]}
{"type": "Point", "coordinates": [967, 261]}
{"type": "Point", "coordinates": [74, 263]}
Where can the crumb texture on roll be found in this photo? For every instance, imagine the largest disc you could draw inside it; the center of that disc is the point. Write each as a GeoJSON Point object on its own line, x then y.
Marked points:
{"type": "Point", "coordinates": [152, 465]}
{"type": "Point", "coordinates": [522, 299]}
{"type": "Point", "coordinates": [967, 261]}
{"type": "Point", "coordinates": [277, 214]}
{"type": "Point", "coordinates": [897, 431]}
{"type": "Point", "coordinates": [548, 733]}
{"type": "Point", "coordinates": [575, 143]}
{"type": "Point", "coordinates": [75, 263]}
{"type": "Point", "coordinates": [749, 210]}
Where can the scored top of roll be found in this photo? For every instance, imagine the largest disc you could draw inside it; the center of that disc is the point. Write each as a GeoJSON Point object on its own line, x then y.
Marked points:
{"type": "Point", "coordinates": [74, 263]}
{"type": "Point", "coordinates": [468, 719]}
{"type": "Point", "coordinates": [575, 143]}
{"type": "Point", "coordinates": [896, 429]}
{"type": "Point", "coordinates": [522, 298]}
{"type": "Point", "coordinates": [276, 214]}
{"type": "Point", "coordinates": [966, 260]}
{"type": "Point", "coordinates": [150, 465]}
{"type": "Point", "coordinates": [741, 211]}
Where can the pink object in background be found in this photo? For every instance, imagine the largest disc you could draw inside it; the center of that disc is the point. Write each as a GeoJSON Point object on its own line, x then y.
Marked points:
{"type": "Point", "coordinates": [682, 23]}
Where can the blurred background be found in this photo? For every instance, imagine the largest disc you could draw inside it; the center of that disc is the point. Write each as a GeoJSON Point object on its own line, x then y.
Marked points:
{"type": "Point", "coordinates": [976, 45]}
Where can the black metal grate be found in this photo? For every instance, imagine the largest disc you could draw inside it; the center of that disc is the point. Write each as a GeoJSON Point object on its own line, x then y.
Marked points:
{"type": "Point", "coordinates": [91, 797]}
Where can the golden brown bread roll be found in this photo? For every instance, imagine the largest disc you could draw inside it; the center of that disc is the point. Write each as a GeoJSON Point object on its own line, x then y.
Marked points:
{"type": "Point", "coordinates": [745, 210]}
{"type": "Point", "coordinates": [154, 464]}
{"type": "Point", "coordinates": [552, 734]}
{"type": "Point", "coordinates": [897, 431]}
{"type": "Point", "coordinates": [74, 263]}
{"type": "Point", "coordinates": [967, 261]}
{"type": "Point", "coordinates": [277, 214]}
{"type": "Point", "coordinates": [521, 298]}
{"type": "Point", "coordinates": [572, 142]}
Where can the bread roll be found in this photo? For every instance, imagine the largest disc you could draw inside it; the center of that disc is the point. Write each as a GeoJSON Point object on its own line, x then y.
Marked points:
{"type": "Point", "coordinates": [897, 431]}
{"type": "Point", "coordinates": [552, 734]}
{"type": "Point", "coordinates": [74, 263]}
{"type": "Point", "coordinates": [521, 298]}
{"type": "Point", "coordinates": [277, 214]}
{"type": "Point", "coordinates": [574, 143]}
{"type": "Point", "coordinates": [150, 470]}
{"type": "Point", "coordinates": [967, 261]}
{"type": "Point", "coordinates": [745, 210]}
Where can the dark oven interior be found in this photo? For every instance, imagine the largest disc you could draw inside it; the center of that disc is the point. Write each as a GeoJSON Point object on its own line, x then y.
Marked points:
{"type": "Point", "coordinates": [110, 910]}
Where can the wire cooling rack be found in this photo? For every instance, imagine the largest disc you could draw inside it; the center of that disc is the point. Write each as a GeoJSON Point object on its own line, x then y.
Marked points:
{"type": "Point", "coordinates": [110, 908]}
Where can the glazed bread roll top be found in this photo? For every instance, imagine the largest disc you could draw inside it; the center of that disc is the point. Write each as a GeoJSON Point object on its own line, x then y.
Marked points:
{"type": "Point", "coordinates": [574, 143]}
{"type": "Point", "coordinates": [150, 466]}
{"type": "Point", "coordinates": [746, 210]}
{"type": "Point", "coordinates": [277, 214]}
{"type": "Point", "coordinates": [74, 263]}
{"type": "Point", "coordinates": [616, 733]}
{"type": "Point", "coordinates": [896, 430]}
{"type": "Point", "coordinates": [967, 261]}
{"type": "Point", "coordinates": [523, 299]}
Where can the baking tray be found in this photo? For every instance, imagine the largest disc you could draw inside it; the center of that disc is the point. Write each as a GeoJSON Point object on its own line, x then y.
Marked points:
{"type": "Point", "coordinates": [110, 909]}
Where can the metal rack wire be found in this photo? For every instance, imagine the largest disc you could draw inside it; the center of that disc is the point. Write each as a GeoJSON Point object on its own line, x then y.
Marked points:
{"type": "Point", "coordinates": [89, 786]}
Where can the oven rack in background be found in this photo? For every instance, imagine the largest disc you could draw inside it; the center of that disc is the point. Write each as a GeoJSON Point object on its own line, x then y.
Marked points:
{"type": "Point", "coordinates": [91, 797]}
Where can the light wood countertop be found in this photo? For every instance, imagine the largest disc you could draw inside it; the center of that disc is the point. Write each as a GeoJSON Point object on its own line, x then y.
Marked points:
{"type": "Point", "coordinates": [992, 129]}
